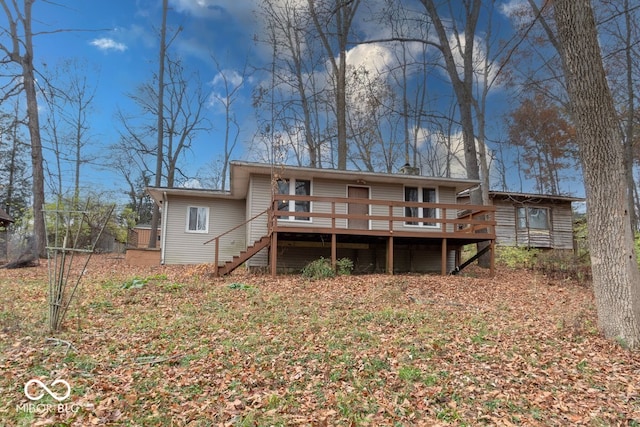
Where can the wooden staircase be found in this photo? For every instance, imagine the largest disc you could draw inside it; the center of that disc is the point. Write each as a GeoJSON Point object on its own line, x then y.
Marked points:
{"type": "Point", "coordinates": [238, 260]}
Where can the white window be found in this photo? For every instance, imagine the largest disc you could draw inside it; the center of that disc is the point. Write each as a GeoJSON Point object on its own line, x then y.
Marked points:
{"type": "Point", "coordinates": [534, 218]}
{"type": "Point", "coordinates": [420, 195]}
{"type": "Point", "coordinates": [298, 187]}
{"type": "Point", "coordinates": [197, 219]}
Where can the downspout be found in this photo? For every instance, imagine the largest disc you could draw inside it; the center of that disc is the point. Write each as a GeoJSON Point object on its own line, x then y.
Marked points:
{"type": "Point", "coordinates": [163, 234]}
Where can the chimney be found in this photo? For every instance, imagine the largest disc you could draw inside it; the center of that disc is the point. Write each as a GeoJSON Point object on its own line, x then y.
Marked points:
{"type": "Point", "coordinates": [407, 169]}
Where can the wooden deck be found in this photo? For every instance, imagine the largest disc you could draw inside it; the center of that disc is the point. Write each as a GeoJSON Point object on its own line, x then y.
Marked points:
{"type": "Point", "coordinates": [353, 222]}
{"type": "Point", "coordinates": [450, 225]}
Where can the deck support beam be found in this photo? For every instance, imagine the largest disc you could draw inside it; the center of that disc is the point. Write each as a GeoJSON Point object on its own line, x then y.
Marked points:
{"type": "Point", "coordinates": [390, 255]}
{"type": "Point", "coordinates": [443, 261]}
{"type": "Point", "coordinates": [274, 253]}
{"type": "Point", "coordinates": [492, 262]}
{"type": "Point", "coordinates": [334, 252]}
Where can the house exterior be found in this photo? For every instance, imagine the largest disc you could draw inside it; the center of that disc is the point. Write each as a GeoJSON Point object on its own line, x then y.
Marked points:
{"type": "Point", "coordinates": [282, 217]}
{"type": "Point", "coordinates": [533, 220]}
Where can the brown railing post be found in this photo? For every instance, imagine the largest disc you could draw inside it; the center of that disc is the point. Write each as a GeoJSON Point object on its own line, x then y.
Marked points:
{"type": "Point", "coordinates": [215, 262]}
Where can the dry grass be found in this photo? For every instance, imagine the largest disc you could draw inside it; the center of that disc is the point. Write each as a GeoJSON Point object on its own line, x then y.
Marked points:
{"type": "Point", "coordinates": [171, 346]}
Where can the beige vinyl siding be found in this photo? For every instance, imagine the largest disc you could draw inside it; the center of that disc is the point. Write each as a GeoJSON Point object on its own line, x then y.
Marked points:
{"type": "Point", "coordinates": [258, 200]}
{"type": "Point", "coordinates": [182, 247]}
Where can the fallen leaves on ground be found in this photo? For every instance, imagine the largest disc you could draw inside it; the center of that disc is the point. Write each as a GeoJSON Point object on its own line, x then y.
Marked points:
{"type": "Point", "coordinates": [169, 345]}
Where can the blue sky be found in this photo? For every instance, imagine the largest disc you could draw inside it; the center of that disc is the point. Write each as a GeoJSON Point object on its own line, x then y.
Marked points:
{"type": "Point", "coordinates": [120, 39]}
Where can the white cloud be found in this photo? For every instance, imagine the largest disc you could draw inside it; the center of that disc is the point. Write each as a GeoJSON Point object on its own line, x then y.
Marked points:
{"type": "Point", "coordinates": [192, 183]}
{"type": "Point", "coordinates": [373, 57]}
{"type": "Point", "coordinates": [107, 44]}
{"type": "Point", "coordinates": [232, 77]}
{"type": "Point", "coordinates": [518, 11]}
{"type": "Point", "coordinates": [240, 9]}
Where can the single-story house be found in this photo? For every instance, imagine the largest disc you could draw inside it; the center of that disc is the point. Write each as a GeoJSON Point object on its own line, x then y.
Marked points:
{"type": "Point", "coordinates": [532, 220]}
{"type": "Point", "coordinates": [282, 217]}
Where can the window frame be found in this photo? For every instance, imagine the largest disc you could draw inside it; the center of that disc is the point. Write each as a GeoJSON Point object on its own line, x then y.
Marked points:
{"type": "Point", "coordinates": [294, 204]}
{"type": "Point", "coordinates": [198, 208]}
{"type": "Point", "coordinates": [527, 217]}
{"type": "Point", "coordinates": [420, 210]}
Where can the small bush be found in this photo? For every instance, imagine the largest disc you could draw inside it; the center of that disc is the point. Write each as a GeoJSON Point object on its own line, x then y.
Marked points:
{"type": "Point", "coordinates": [345, 266]}
{"type": "Point", "coordinates": [321, 268]}
{"type": "Point", "coordinates": [318, 269]}
{"type": "Point", "coordinates": [517, 256]}
{"type": "Point", "coordinates": [560, 264]}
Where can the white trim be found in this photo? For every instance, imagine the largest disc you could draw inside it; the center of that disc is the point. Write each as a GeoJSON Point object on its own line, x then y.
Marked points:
{"type": "Point", "coordinates": [292, 206]}
{"type": "Point", "coordinates": [368, 187]}
{"type": "Point", "coordinates": [421, 220]}
{"type": "Point", "coordinates": [165, 221]}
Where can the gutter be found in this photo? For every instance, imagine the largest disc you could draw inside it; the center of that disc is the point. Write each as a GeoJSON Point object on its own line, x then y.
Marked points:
{"type": "Point", "coordinates": [165, 212]}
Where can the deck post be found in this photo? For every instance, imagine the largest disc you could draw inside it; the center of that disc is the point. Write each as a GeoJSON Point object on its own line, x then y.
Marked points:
{"type": "Point", "coordinates": [390, 255]}
{"type": "Point", "coordinates": [492, 262]}
{"type": "Point", "coordinates": [443, 261]}
{"type": "Point", "coordinates": [215, 260]}
{"type": "Point", "coordinates": [334, 256]}
{"type": "Point", "coordinates": [274, 253]}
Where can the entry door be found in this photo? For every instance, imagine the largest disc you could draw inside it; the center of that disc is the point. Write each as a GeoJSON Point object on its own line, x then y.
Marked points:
{"type": "Point", "coordinates": [358, 208]}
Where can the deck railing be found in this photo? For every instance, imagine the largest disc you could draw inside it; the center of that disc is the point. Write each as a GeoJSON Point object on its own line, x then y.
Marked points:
{"type": "Point", "coordinates": [384, 217]}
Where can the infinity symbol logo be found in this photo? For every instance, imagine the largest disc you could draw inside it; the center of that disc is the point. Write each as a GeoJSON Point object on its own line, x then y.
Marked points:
{"type": "Point", "coordinates": [45, 388]}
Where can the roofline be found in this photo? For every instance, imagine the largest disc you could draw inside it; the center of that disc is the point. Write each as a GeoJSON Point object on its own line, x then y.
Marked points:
{"type": "Point", "coordinates": [536, 196]}
{"type": "Point", "coordinates": [240, 172]}
{"type": "Point", "coordinates": [158, 193]}
{"type": "Point", "coordinates": [309, 172]}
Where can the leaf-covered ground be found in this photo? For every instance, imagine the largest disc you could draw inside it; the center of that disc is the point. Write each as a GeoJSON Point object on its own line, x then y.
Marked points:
{"type": "Point", "coordinates": [172, 346]}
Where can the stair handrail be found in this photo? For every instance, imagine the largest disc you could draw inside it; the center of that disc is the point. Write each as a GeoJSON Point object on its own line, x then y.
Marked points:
{"type": "Point", "coordinates": [237, 226]}
{"type": "Point", "coordinates": [217, 239]}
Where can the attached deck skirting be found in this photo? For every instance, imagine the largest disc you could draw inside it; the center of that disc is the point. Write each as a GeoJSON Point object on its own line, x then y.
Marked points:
{"type": "Point", "coordinates": [390, 243]}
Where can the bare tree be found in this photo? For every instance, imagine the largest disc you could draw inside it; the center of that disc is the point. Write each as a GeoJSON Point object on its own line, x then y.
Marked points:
{"type": "Point", "coordinates": [333, 21]}
{"type": "Point", "coordinates": [70, 102]}
{"type": "Point", "coordinates": [183, 117]}
{"type": "Point", "coordinates": [613, 258]}
{"type": "Point", "coordinates": [14, 174]}
{"type": "Point", "coordinates": [155, 218]}
{"type": "Point", "coordinates": [18, 50]}
{"type": "Point", "coordinates": [230, 82]}
{"type": "Point", "coordinates": [297, 117]}
{"type": "Point", "coordinates": [462, 85]}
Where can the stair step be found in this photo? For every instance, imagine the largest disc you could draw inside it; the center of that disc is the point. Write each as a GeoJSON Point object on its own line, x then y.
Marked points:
{"type": "Point", "coordinates": [238, 260]}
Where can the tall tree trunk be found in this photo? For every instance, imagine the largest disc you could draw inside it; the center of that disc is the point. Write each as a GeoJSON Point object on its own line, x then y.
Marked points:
{"type": "Point", "coordinates": [155, 216]}
{"type": "Point", "coordinates": [29, 81]}
{"type": "Point", "coordinates": [463, 88]}
{"type": "Point", "coordinates": [616, 279]}
{"type": "Point", "coordinates": [630, 125]}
